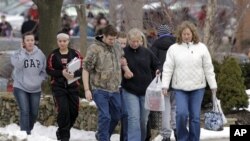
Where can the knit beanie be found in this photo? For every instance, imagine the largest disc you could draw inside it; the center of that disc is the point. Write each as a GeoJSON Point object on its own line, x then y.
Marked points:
{"type": "Point", "coordinates": [164, 29]}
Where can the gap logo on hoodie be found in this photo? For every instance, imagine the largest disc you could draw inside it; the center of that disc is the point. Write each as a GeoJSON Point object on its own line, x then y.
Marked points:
{"type": "Point", "coordinates": [31, 63]}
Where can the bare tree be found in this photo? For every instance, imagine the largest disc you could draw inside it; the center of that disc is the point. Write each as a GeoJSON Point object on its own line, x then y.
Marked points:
{"type": "Point", "coordinates": [208, 38]}
{"type": "Point", "coordinates": [112, 11]}
{"type": "Point", "coordinates": [49, 19]}
{"type": "Point", "coordinates": [81, 17]}
{"type": "Point", "coordinates": [133, 14]}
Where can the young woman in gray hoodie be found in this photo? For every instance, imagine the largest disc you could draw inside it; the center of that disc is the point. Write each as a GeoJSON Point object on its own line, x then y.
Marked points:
{"type": "Point", "coordinates": [29, 64]}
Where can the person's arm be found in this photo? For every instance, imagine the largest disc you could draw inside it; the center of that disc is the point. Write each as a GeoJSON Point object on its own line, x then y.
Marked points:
{"type": "Point", "coordinates": [85, 80]}
{"type": "Point", "coordinates": [43, 73]}
{"type": "Point", "coordinates": [209, 69]}
{"type": "Point", "coordinates": [50, 69]}
{"type": "Point", "coordinates": [124, 65]}
{"type": "Point", "coordinates": [18, 58]}
{"type": "Point", "coordinates": [89, 63]}
{"type": "Point", "coordinates": [168, 70]}
{"type": "Point", "coordinates": [78, 73]}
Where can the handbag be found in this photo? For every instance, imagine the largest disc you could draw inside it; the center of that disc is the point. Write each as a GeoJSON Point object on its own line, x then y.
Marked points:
{"type": "Point", "coordinates": [213, 119]}
{"type": "Point", "coordinates": [154, 99]}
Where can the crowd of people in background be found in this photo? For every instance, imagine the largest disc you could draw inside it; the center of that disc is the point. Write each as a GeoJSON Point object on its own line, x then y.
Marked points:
{"type": "Point", "coordinates": [116, 71]}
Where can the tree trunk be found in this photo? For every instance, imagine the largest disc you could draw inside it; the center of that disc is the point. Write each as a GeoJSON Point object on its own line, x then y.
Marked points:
{"type": "Point", "coordinates": [208, 38]}
{"type": "Point", "coordinates": [81, 12]}
{"type": "Point", "coordinates": [112, 12]}
{"type": "Point", "coordinates": [133, 14]}
{"type": "Point", "coordinates": [49, 19]}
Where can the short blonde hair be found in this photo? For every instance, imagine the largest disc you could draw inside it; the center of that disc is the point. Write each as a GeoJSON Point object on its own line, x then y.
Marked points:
{"type": "Point", "coordinates": [183, 26]}
{"type": "Point", "coordinates": [135, 33]}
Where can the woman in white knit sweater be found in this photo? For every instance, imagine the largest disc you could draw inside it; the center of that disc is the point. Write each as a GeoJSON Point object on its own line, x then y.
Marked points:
{"type": "Point", "coordinates": [188, 66]}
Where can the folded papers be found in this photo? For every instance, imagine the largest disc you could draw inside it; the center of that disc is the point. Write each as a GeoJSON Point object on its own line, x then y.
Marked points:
{"type": "Point", "coordinates": [73, 66]}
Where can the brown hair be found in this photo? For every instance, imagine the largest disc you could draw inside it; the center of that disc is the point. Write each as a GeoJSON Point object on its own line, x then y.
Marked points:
{"type": "Point", "coordinates": [193, 29]}
{"type": "Point", "coordinates": [109, 30]}
{"type": "Point", "coordinates": [27, 34]}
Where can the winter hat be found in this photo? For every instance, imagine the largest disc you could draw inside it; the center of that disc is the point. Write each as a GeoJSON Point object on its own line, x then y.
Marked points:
{"type": "Point", "coordinates": [164, 29]}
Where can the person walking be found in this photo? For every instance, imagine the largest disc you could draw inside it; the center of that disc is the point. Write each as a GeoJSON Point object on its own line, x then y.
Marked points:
{"type": "Point", "coordinates": [142, 62]}
{"type": "Point", "coordinates": [5, 27]}
{"type": "Point", "coordinates": [66, 95]}
{"type": "Point", "coordinates": [28, 61]}
{"type": "Point", "coordinates": [102, 68]}
{"type": "Point", "coordinates": [160, 48]}
{"type": "Point", "coordinates": [189, 65]}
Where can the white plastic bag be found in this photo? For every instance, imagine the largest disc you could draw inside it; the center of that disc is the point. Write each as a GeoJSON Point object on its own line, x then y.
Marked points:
{"type": "Point", "coordinates": [224, 119]}
{"type": "Point", "coordinates": [154, 99]}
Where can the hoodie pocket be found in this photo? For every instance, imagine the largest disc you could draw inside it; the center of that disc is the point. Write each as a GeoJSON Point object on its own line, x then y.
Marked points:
{"type": "Point", "coordinates": [32, 83]}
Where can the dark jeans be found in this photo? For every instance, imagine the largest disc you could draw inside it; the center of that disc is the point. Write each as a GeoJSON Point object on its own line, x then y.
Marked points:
{"type": "Point", "coordinates": [109, 112]}
{"type": "Point", "coordinates": [29, 105]}
{"type": "Point", "coordinates": [124, 120]}
{"type": "Point", "coordinates": [67, 104]}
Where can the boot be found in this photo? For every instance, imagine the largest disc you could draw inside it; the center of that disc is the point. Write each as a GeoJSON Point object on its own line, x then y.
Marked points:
{"type": "Point", "coordinates": [175, 135]}
{"type": "Point", "coordinates": [165, 139]}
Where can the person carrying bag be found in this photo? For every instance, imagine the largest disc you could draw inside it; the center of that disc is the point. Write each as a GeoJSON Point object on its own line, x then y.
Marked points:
{"type": "Point", "coordinates": [215, 119]}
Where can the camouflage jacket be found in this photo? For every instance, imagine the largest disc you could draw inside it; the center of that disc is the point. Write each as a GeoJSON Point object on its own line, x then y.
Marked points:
{"type": "Point", "coordinates": [103, 64]}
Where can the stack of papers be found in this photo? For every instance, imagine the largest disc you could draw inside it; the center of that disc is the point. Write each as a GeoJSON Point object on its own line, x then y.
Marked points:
{"type": "Point", "coordinates": [73, 66]}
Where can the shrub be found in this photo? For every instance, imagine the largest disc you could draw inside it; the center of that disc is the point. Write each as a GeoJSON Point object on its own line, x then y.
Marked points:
{"type": "Point", "coordinates": [231, 88]}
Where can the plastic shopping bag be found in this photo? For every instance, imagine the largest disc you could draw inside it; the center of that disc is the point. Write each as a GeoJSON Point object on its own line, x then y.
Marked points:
{"type": "Point", "coordinates": [214, 119]}
{"type": "Point", "coordinates": [154, 99]}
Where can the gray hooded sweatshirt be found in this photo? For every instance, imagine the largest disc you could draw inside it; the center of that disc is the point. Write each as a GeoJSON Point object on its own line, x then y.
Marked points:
{"type": "Point", "coordinates": [29, 69]}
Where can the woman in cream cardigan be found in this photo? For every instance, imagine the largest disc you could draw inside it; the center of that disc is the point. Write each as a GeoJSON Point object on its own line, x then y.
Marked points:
{"type": "Point", "coordinates": [188, 65]}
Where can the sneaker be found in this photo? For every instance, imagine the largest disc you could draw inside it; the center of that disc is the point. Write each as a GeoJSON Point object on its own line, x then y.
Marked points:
{"type": "Point", "coordinates": [96, 135]}
{"type": "Point", "coordinates": [165, 139]}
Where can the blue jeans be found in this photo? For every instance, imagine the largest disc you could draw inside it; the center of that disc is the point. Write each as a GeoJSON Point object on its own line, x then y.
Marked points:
{"type": "Point", "coordinates": [137, 116]}
{"type": "Point", "coordinates": [29, 105]}
{"type": "Point", "coordinates": [188, 107]}
{"type": "Point", "coordinates": [109, 107]}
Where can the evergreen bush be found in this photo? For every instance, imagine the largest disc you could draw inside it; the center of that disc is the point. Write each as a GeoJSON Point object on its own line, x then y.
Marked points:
{"type": "Point", "coordinates": [231, 88]}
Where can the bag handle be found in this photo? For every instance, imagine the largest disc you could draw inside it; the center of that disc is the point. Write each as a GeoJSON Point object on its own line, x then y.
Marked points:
{"type": "Point", "coordinates": [158, 77]}
{"type": "Point", "coordinates": [215, 104]}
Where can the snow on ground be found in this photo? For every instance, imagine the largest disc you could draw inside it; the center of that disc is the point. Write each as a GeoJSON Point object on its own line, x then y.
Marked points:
{"type": "Point", "coordinates": [43, 133]}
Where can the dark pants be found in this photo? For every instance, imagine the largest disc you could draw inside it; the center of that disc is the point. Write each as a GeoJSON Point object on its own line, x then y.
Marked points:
{"type": "Point", "coordinates": [148, 135]}
{"type": "Point", "coordinates": [109, 112]}
{"type": "Point", "coordinates": [67, 103]}
{"type": "Point", "coordinates": [124, 120]}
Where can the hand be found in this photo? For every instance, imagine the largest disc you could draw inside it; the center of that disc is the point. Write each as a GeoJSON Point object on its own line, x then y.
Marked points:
{"type": "Point", "coordinates": [214, 91]}
{"type": "Point", "coordinates": [128, 74]}
{"type": "Point", "coordinates": [123, 61]}
{"type": "Point", "coordinates": [67, 75]}
{"type": "Point", "coordinates": [157, 72]}
{"type": "Point", "coordinates": [88, 95]}
{"type": "Point", "coordinates": [164, 91]}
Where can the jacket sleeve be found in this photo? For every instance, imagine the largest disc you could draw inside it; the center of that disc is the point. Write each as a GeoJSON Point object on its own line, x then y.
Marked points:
{"type": "Point", "coordinates": [209, 69]}
{"type": "Point", "coordinates": [90, 59]}
{"type": "Point", "coordinates": [155, 63]}
{"type": "Point", "coordinates": [50, 69]}
{"type": "Point", "coordinates": [17, 59]}
{"type": "Point", "coordinates": [168, 68]}
{"type": "Point", "coordinates": [78, 73]}
{"type": "Point", "coordinates": [43, 73]}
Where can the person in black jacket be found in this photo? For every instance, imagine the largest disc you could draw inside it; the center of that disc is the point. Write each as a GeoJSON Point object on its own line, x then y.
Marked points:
{"type": "Point", "coordinates": [160, 48]}
{"type": "Point", "coordinates": [66, 95]}
{"type": "Point", "coordinates": [142, 62]}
